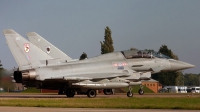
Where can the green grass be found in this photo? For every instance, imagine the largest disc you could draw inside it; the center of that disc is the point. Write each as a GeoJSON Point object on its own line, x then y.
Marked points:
{"type": "Point", "coordinates": [146, 90]}
{"type": "Point", "coordinates": [128, 103]}
{"type": "Point", "coordinates": [31, 90]}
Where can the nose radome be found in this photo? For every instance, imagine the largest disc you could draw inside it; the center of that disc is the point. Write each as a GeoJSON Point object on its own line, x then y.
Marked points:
{"type": "Point", "coordinates": [179, 65]}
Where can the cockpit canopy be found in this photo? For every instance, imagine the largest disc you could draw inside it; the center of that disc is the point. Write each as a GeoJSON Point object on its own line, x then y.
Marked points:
{"type": "Point", "coordinates": [130, 54]}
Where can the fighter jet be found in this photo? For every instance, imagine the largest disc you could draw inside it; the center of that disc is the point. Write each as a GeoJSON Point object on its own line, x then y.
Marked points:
{"type": "Point", "coordinates": [112, 70]}
{"type": "Point", "coordinates": [56, 53]}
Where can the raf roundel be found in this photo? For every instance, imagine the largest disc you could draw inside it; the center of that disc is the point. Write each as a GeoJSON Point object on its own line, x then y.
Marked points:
{"type": "Point", "coordinates": [26, 47]}
{"type": "Point", "coordinates": [48, 49]}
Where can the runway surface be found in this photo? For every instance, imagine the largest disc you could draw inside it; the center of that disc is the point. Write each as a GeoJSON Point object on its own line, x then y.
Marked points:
{"type": "Point", "coordinates": [54, 95]}
{"type": "Point", "coordinates": [39, 109]}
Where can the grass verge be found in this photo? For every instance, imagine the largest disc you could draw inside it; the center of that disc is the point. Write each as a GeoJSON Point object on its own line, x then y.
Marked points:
{"type": "Point", "coordinates": [31, 90]}
{"type": "Point", "coordinates": [128, 103]}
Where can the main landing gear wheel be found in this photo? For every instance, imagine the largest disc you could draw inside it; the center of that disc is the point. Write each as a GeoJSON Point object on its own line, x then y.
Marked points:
{"type": "Point", "coordinates": [129, 93]}
{"type": "Point", "coordinates": [70, 93]}
{"type": "Point", "coordinates": [91, 93]}
{"type": "Point", "coordinates": [108, 91]}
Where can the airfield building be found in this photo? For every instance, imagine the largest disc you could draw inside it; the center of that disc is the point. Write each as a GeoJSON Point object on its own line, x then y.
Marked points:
{"type": "Point", "coordinates": [152, 84]}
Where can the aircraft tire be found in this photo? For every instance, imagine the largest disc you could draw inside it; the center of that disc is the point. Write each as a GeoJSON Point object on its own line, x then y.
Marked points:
{"type": "Point", "coordinates": [91, 93]}
{"type": "Point", "coordinates": [129, 94]}
{"type": "Point", "coordinates": [141, 92]}
{"type": "Point", "coordinates": [70, 93]}
{"type": "Point", "coordinates": [107, 91]}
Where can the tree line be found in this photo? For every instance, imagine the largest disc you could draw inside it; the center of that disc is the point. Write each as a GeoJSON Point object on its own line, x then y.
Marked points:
{"type": "Point", "coordinates": [189, 79]}
{"type": "Point", "coordinates": [5, 74]}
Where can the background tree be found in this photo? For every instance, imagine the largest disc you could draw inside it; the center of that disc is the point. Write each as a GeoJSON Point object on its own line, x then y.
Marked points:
{"type": "Point", "coordinates": [132, 48]}
{"type": "Point", "coordinates": [180, 79]}
{"type": "Point", "coordinates": [83, 56]}
{"type": "Point", "coordinates": [167, 78]}
{"type": "Point", "coordinates": [5, 80]}
{"type": "Point", "coordinates": [191, 79]}
{"type": "Point", "coordinates": [107, 44]}
{"type": "Point", "coordinates": [1, 71]}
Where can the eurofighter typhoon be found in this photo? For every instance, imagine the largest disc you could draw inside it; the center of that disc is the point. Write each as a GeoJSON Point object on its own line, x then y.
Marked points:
{"type": "Point", "coordinates": [107, 71]}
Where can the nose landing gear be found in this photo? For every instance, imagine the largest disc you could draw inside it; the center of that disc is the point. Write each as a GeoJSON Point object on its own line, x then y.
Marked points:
{"type": "Point", "coordinates": [129, 93]}
{"type": "Point", "coordinates": [141, 91]}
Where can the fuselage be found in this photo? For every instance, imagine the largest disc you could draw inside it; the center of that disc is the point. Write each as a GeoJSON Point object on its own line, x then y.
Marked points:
{"type": "Point", "coordinates": [112, 63]}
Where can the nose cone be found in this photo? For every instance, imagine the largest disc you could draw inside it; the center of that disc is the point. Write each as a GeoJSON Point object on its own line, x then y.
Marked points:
{"type": "Point", "coordinates": [179, 65]}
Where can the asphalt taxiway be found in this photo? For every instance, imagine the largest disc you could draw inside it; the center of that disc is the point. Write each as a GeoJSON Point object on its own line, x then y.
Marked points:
{"type": "Point", "coordinates": [54, 95]}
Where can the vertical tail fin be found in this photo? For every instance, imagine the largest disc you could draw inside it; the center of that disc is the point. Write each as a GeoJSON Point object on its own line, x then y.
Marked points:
{"type": "Point", "coordinates": [46, 46]}
{"type": "Point", "coordinates": [25, 53]}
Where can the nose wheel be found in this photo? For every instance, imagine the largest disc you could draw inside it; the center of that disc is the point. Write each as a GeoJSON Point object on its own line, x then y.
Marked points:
{"type": "Point", "coordinates": [129, 93]}
{"type": "Point", "coordinates": [141, 91]}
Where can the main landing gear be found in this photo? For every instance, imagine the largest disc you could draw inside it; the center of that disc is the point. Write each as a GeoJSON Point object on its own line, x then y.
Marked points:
{"type": "Point", "coordinates": [108, 91]}
{"type": "Point", "coordinates": [141, 91]}
{"type": "Point", "coordinates": [91, 93]}
{"type": "Point", "coordinates": [129, 93]}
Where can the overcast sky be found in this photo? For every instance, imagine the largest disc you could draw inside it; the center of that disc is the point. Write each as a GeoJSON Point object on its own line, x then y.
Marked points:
{"type": "Point", "coordinates": [77, 26]}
